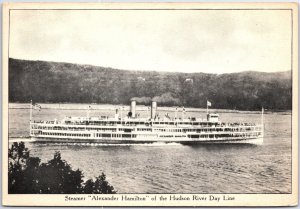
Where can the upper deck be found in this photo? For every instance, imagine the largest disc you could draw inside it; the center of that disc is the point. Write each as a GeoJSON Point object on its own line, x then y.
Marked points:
{"type": "Point", "coordinates": [140, 122]}
{"type": "Point", "coordinates": [134, 120]}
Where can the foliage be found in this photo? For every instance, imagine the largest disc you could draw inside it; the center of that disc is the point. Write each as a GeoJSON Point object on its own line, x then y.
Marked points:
{"type": "Point", "coordinates": [71, 83]}
{"type": "Point", "coordinates": [99, 186]}
{"type": "Point", "coordinates": [27, 175]}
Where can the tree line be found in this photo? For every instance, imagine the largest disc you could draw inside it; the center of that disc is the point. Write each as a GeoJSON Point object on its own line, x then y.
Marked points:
{"type": "Point", "coordinates": [54, 82]}
{"type": "Point", "coordinates": [27, 175]}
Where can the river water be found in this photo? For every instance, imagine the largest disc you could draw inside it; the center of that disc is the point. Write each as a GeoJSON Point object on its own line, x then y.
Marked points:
{"type": "Point", "coordinates": [172, 168]}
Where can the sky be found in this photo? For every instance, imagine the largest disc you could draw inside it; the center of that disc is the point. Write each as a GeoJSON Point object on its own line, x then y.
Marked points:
{"type": "Point", "coordinates": [175, 41]}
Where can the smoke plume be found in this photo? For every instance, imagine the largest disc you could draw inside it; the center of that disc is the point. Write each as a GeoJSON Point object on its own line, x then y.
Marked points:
{"type": "Point", "coordinates": [164, 99]}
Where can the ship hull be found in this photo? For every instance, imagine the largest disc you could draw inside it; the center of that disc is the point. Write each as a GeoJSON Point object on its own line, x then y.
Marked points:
{"type": "Point", "coordinates": [258, 141]}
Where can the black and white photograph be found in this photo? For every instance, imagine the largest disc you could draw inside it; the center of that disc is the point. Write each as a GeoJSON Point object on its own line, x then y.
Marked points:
{"type": "Point", "coordinates": [150, 104]}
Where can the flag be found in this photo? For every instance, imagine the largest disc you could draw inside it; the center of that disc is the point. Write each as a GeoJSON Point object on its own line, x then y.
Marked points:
{"type": "Point", "coordinates": [37, 106]}
{"type": "Point", "coordinates": [208, 103]}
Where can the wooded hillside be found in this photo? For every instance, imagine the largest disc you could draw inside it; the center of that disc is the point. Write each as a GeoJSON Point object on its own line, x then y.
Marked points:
{"type": "Point", "coordinates": [54, 82]}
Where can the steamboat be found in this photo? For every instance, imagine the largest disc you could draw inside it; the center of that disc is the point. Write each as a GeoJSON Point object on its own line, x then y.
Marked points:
{"type": "Point", "coordinates": [133, 129]}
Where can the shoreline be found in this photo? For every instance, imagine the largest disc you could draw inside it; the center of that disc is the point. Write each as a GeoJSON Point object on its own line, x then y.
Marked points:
{"type": "Point", "coordinates": [95, 107]}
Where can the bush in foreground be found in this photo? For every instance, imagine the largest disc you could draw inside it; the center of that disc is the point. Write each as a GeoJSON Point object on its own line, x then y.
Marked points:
{"type": "Point", "coordinates": [27, 175]}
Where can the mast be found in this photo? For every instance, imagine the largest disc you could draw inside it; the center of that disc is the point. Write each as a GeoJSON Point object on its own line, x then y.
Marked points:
{"type": "Point", "coordinates": [30, 117]}
{"type": "Point", "coordinates": [262, 121]}
{"type": "Point", "coordinates": [88, 112]}
{"type": "Point", "coordinates": [122, 108]}
{"type": "Point", "coordinates": [148, 111]}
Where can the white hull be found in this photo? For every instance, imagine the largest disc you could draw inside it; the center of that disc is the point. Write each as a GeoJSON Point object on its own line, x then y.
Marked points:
{"type": "Point", "coordinates": [257, 141]}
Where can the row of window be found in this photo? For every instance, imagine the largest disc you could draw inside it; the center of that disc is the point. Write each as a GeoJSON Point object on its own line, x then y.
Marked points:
{"type": "Point", "coordinates": [164, 136]}
{"type": "Point", "coordinates": [134, 122]}
{"type": "Point", "coordinates": [214, 128]}
{"type": "Point", "coordinates": [206, 130]}
{"type": "Point", "coordinates": [222, 135]}
{"type": "Point", "coordinates": [144, 129]}
{"type": "Point", "coordinates": [65, 134]}
{"type": "Point", "coordinates": [74, 128]}
{"type": "Point", "coordinates": [116, 135]}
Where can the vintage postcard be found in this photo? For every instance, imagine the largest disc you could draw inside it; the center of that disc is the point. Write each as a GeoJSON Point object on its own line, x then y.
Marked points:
{"type": "Point", "coordinates": [150, 104]}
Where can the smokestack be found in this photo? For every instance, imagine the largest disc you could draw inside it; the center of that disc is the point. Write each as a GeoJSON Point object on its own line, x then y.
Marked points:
{"type": "Point", "coordinates": [153, 109]}
{"type": "Point", "coordinates": [132, 108]}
